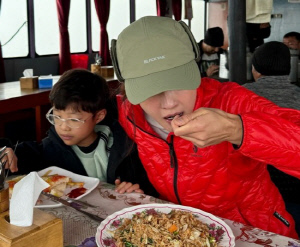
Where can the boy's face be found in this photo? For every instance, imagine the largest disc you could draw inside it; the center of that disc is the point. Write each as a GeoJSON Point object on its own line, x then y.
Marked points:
{"type": "Point", "coordinates": [209, 50]}
{"type": "Point", "coordinates": [165, 106]}
{"type": "Point", "coordinates": [85, 134]}
{"type": "Point", "coordinates": [292, 43]}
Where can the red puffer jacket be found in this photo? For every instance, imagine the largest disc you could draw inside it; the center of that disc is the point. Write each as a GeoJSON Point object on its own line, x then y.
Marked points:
{"type": "Point", "coordinates": [229, 182]}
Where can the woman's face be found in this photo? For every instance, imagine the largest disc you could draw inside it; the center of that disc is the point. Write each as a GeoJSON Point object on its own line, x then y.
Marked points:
{"type": "Point", "coordinates": [165, 106]}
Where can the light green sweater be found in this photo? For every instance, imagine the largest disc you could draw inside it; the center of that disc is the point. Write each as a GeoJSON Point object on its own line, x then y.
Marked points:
{"type": "Point", "coordinates": [95, 163]}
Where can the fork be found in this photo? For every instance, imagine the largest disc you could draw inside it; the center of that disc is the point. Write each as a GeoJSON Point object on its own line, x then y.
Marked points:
{"type": "Point", "coordinates": [11, 159]}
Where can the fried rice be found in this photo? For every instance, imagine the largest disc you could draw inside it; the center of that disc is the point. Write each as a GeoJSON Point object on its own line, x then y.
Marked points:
{"type": "Point", "coordinates": [153, 228]}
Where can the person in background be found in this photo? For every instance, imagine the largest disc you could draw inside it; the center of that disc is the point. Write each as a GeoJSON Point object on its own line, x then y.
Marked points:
{"type": "Point", "coordinates": [78, 142]}
{"type": "Point", "coordinates": [210, 50]}
{"type": "Point", "coordinates": [256, 33]}
{"type": "Point", "coordinates": [292, 41]}
{"type": "Point", "coordinates": [258, 17]}
{"type": "Point", "coordinates": [271, 68]}
{"type": "Point", "coordinates": [203, 143]}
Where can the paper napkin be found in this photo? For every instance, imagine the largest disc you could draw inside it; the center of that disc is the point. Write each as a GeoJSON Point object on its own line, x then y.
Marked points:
{"type": "Point", "coordinates": [28, 73]}
{"type": "Point", "coordinates": [24, 197]}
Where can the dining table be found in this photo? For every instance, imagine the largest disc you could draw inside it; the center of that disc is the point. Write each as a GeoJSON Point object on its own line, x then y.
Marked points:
{"type": "Point", "coordinates": [79, 230]}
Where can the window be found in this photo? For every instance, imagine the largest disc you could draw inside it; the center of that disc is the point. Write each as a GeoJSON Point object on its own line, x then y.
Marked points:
{"type": "Point", "coordinates": [14, 28]}
{"type": "Point", "coordinates": [77, 27]}
{"type": "Point", "coordinates": [118, 19]}
{"type": "Point", "coordinates": [14, 24]}
{"type": "Point", "coordinates": [145, 8]}
{"type": "Point", "coordinates": [47, 28]}
{"type": "Point", "coordinates": [197, 22]}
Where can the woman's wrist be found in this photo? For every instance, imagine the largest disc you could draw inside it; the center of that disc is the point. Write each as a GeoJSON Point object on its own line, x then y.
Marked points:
{"type": "Point", "coordinates": [236, 130]}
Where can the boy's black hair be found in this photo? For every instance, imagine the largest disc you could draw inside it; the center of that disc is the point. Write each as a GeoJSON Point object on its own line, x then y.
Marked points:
{"type": "Point", "coordinates": [81, 89]}
{"type": "Point", "coordinates": [292, 34]}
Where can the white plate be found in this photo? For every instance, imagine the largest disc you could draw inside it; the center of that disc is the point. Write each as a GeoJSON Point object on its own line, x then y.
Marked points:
{"type": "Point", "coordinates": [89, 183]}
{"type": "Point", "coordinates": [103, 234]}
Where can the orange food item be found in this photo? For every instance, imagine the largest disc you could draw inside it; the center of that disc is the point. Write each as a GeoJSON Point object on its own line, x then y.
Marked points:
{"type": "Point", "coordinates": [173, 228]}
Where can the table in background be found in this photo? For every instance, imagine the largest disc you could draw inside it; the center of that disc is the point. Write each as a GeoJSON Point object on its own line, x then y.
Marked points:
{"type": "Point", "coordinates": [17, 103]}
{"type": "Point", "coordinates": [79, 228]}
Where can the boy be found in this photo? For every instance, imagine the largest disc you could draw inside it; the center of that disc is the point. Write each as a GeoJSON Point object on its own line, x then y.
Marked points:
{"type": "Point", "coordinates": [77, 143]}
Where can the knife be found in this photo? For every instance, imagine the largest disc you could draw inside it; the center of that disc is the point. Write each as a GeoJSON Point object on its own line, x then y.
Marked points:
{"type": "Point", "coordinates": [72, 205]}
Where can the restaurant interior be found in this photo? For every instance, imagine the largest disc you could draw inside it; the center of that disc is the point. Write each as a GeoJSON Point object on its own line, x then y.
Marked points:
{"type": "Point", "coordinates": [24, 103]}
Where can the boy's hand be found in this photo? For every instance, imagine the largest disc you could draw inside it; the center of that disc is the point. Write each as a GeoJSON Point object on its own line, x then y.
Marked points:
{"type": "Point", "coordinates": [127, 187]}
{"type": "Point", "coordinates": [12, 160]}
{"type": "Point", "coordinates": [212, 69]}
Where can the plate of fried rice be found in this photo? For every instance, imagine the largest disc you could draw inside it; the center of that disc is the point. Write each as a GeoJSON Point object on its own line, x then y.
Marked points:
{"type": "Point", "coordinates": [163, 225]}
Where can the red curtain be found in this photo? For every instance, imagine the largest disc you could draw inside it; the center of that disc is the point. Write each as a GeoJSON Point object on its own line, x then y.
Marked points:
{"type": "Point", "coordinates": [161, 6]}
{"type": "Point", "coordinates": [176, 7]}
{"type": "Point", "coordinates": [2, 69]}
{"type": "Point", "coordinates": [63, 10]}
{"type": "Point", "coordinates": [102, 9]}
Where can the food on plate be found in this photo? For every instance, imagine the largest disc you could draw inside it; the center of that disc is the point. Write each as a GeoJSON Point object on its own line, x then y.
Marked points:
{"type": "Point", "coordinates": [153, 228]}
{"type": "Point", "coordinates": [12, 182]}
{"type": "Point", "coordinates": [59, 185]}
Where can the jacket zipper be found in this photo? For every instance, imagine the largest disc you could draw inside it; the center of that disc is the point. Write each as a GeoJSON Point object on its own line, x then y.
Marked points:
{"type": "Point", "coordinates": [173, 158]}
{"type": "Point", "coordinates": [174, 164]}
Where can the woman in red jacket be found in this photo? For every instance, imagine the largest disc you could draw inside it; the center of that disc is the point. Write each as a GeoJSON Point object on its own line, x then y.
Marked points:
{"type": "Point", "coordinates": [203, 143]}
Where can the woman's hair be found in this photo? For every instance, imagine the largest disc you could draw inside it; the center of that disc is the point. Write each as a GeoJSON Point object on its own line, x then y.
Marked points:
{"type": "Point", "coordinates": [121, 91]}
{"type": "Point", "coordinates": [80, 89]}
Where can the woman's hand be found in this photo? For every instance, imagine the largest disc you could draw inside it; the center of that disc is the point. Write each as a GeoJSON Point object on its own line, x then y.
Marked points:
{"type": "Point", "coordinates": [209, 126]}
{"type": "Point", "coordinates": [11, 160]}
{"type": "Point", "coordinates": [127, 187]}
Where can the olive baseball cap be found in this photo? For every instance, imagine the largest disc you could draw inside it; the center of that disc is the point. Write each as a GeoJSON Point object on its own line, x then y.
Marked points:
{"type": "Point", "coordinates": [153, 55]}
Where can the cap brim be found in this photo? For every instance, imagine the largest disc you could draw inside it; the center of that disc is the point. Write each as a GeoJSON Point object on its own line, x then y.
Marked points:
{"type": "Point", "coordinates": [184, 77]}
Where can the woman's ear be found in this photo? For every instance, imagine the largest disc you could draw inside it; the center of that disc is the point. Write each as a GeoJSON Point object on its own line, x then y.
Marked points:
{"type": "Point", "coordinates": [100, 115]}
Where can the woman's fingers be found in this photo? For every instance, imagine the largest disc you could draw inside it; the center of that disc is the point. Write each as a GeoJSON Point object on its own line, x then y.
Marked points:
{"type": "Point", "coordinates": [208, 126]}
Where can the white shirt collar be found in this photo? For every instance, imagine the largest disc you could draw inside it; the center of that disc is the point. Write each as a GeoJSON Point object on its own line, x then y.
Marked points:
{"type": "Point", "coordinates": [163, 133]}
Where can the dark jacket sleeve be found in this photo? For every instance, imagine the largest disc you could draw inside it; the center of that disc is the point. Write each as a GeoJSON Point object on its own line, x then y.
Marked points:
{"type": "Point", "coordinates": [131, 170]}
{"type": "Point", "coordinates": [5, 142]}
{"type": "Point", "coordinates": [29, 154]}
{"type": "Point", "coordinates": [30, 157]}
{"type": "Point", "coordinates": [124, 161]}
{"type": "Point", "coordinates": [33, 156]}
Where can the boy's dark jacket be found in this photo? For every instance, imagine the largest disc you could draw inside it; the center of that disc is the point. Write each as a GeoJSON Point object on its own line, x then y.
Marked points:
{"type": "Point", "coordinates": [52, 151]}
